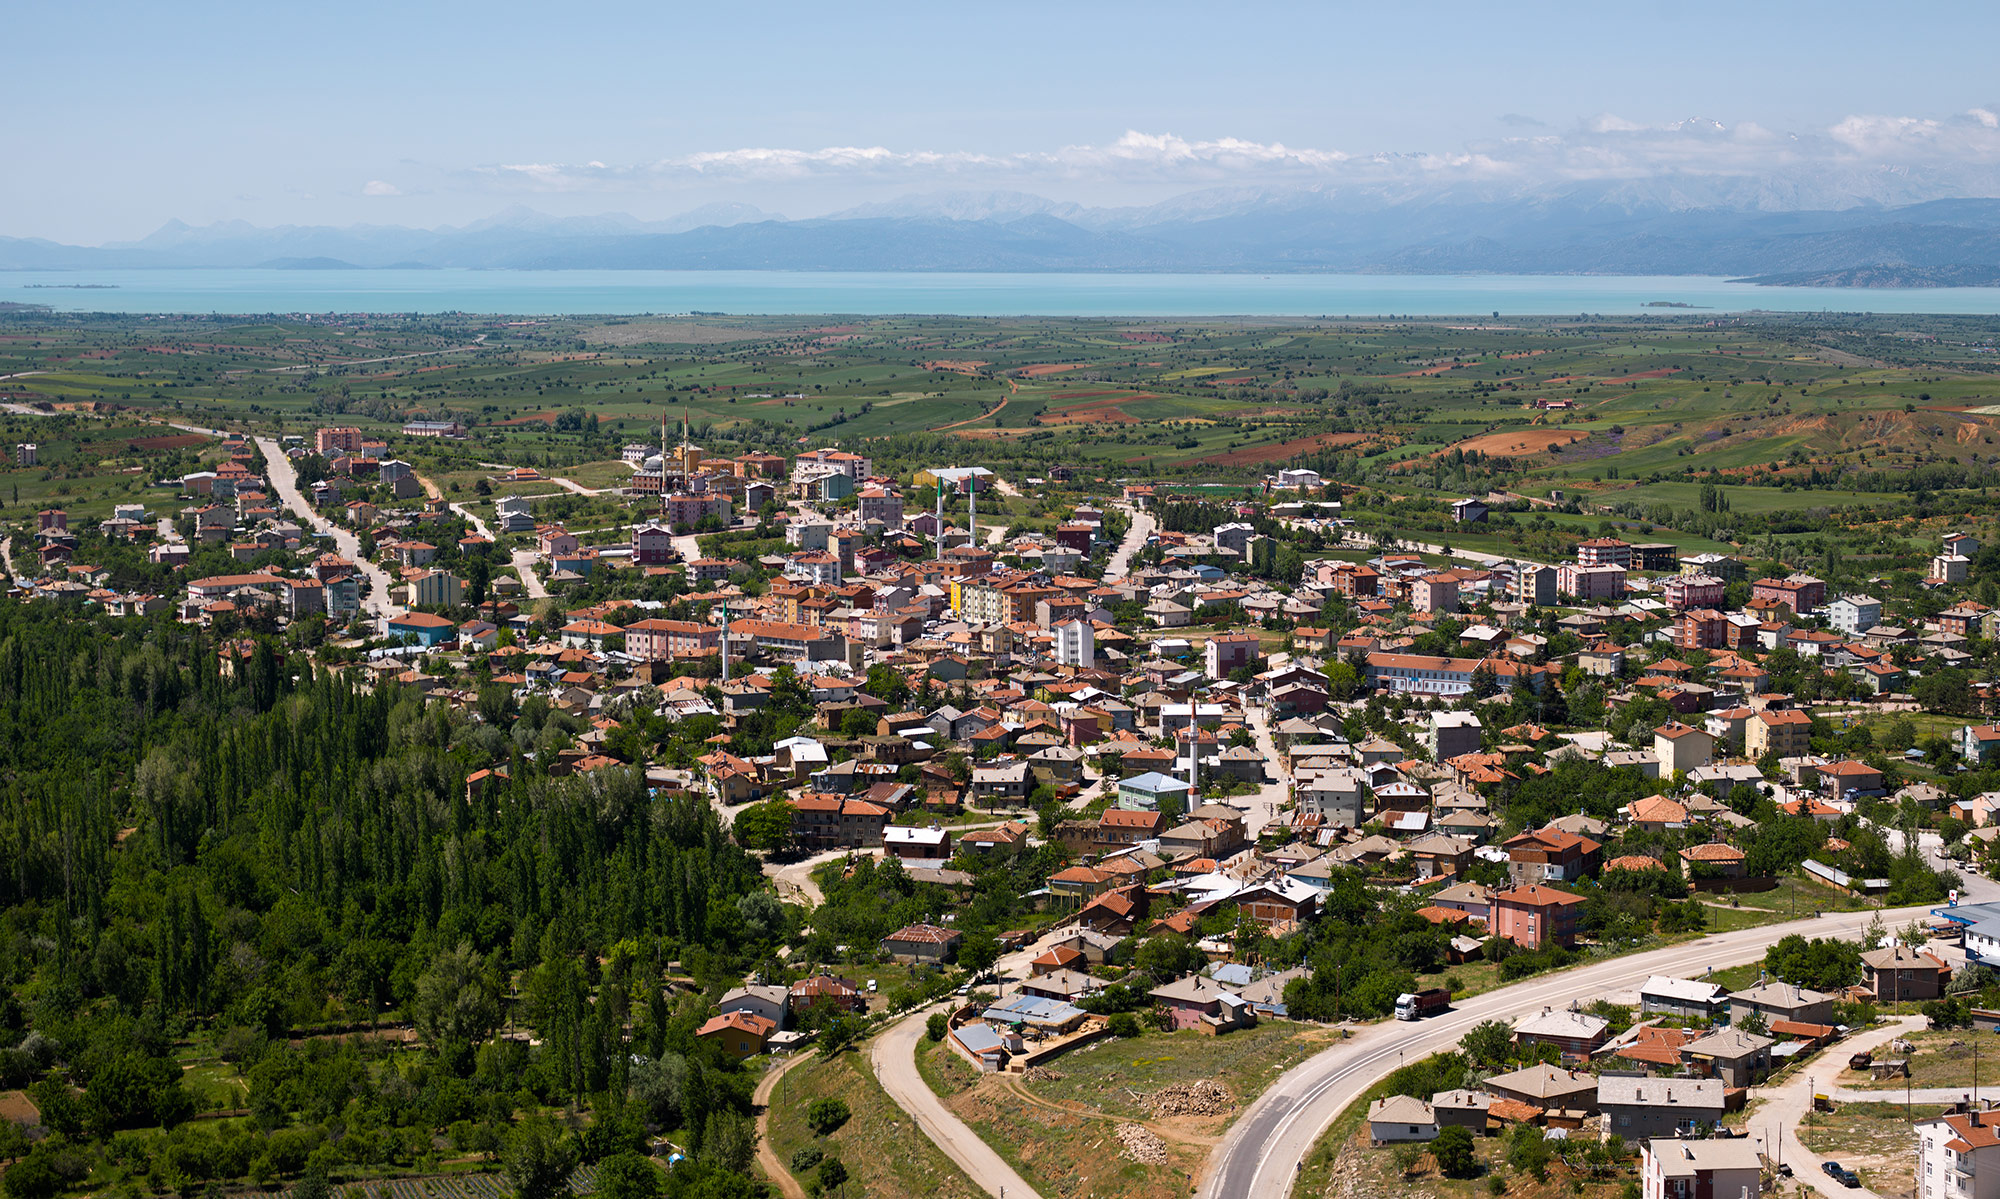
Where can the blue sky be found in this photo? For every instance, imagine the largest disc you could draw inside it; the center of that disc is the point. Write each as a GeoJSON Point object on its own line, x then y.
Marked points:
{"type": "Point", "coordinates": [124, 115]}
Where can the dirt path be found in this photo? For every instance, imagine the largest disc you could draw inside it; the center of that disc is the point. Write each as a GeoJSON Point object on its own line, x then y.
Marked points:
{"type": "Point", "coordinates": [1012, 387]}
{"type": "Point", "coordinates": [767, 1157]}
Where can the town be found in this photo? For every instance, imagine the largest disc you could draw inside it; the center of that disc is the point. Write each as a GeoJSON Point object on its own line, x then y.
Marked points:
{"type": "Point", "coordinates": [967, 824]}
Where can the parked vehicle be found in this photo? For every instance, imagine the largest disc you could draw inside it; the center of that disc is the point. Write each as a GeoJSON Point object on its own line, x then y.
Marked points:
{"type": "Point", "coordinates": [1841, 1174]}
{"type": "Point", "coordinates": [1416, 1005]}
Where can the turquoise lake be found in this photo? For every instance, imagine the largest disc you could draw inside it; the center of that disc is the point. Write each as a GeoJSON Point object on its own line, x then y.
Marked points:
{"type": "Point", "coordinates": [964, 294]}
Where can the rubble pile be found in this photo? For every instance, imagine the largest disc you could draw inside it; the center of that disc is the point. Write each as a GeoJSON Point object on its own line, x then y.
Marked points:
{"type": "Point", "coordinates": [1204, 1098]}
{"type": "Point", "coordinates": [1142, 1145]}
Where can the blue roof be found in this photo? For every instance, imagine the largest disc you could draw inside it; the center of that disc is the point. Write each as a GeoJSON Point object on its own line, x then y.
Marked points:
{"type": "Point", "coordinates": [1031, 1009]}
{"type": "Point", "coordinates": [978, 1038]}
{"type": "Point", "coordinates": [1153, 781]}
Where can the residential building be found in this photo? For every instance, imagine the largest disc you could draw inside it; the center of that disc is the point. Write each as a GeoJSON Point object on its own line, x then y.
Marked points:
{"type": "Point", "coordinates": [922, 943]}
{"type": "Point", "coordinates": [1898, 973]}
{"type": "Point", "coordinates": [1693, 591]}
{"type": "Point", "coordinates": [1450, 734]}
{"type": "Point", "coordinates": [1737, 1057]}
{"type": "Point", "coordinates": [1197, 1002]}
{"type": "Point", "coordinates": [1227, 652]}
{"type": "Point", "coordinates": [1680, 748]}
{"type": "Point", "coordinates": [1589, 583]}
{"type": "Point", "coordinates": [1801, 593]}
{"type": "Point", "coordinates": [1958, 1156]}
{"type": "Point", "coordinates": [1435, 593]}
{"type": "Point", "coordinates": [1535, 583]}
{"type": "Point", "coordinates": [1534, 915]}
{"type": "Point", "coordinates": [1780, 1001]}
{"type": "Point", "coordinates": [1978, 743]}
{"type": "Point", "coordinates": [1664, 995]}
{"type": "Point", "coordinates": [1551, 855]}
{"type": "Point", "coordinates": [340, 440]}
{"type": "Point", "coordinates": [1854, 614]}
{"type": "Point", "coordinates": [1684, 1169]}
{"type": "Point", "coordinates": [754, 999]}
{"type": "Point", "coordinates": [1785, 732]}
{"type": "Point", "coordinates": [1401, 1118]}
{"type": "Point", "coordinates": [740, 1033]}
{"type": "Point", "coordinates": [652, 545]}
{"type": "Point", "coordinates": [1604, 551]}
{"type": "Point", "coordinates": [1660, 1107]}
{"type": "Point", "coordinates": [1075, 644]}
{"type": "Point", "coordinates": [1576, 1034]}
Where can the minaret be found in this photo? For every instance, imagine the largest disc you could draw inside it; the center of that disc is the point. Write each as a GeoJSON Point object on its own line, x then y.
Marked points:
{"type": "Point", "coordinates": [972, 510]}
{"type": "Point", "coordinates": [725, 642]}
{"type": "Point", "coordinates": [663, 472]}
{"type": "Point", "coordinates": [940, 521]}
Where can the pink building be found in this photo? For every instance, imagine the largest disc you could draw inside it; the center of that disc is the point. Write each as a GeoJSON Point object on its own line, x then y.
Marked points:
{"type": "Point", "coordinates": [1693, 591]}
{"type": "Point", "coordinates": [1591, 582]}
{"type": "Point", "coordinates": [663, 640]}
{"type": "Point", "coordinates": [1533, 916]}
{"type": "Point", "coordinates": [1435, 593]}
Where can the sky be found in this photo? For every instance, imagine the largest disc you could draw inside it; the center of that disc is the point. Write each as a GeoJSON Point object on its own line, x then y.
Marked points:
{"type": "Point", "coordinates": [123, 116]}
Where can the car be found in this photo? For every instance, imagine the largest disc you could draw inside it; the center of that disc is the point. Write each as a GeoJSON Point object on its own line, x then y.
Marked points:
{"type": "Point", "coordinates": [1841, 1174]}
{"type": "Point", "coordinates": [1784, 1169]}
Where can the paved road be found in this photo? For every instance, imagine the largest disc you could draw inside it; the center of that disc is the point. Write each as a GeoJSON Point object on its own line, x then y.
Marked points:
{"type": "Point", "coordinates": [1135, 536]}
{"type": "Point", "coordinates": [1774, 1125]}
{"type": "Point", "coordinates": [1263, 806]}
{"type": "Point", "coordinates": [286, 481]}
{"type": "Point", "coordinates": [1263, 1149]}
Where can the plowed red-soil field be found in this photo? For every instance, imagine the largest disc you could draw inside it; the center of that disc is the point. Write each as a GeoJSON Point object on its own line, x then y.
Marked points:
{"type": "Point", "coordinates": [1252, 455]}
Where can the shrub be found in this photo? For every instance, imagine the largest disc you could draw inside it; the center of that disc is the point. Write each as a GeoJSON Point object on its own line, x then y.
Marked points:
{"type": "Point", "coordinates": [1124, 1024]}
{"type": "Point", "coordinates": [825, 1115]}
{"type": "Point", "coordinates": [936, 1026]}
{"type": "Point", "coordinates": [806, 1157]}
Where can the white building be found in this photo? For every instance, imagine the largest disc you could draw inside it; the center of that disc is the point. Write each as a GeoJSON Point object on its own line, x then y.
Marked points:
{"type": "Point", "coordinates": [1854, 614]}
{"type": "Point", "coordinates": [1076, 644]}
{"type": "Point", "coordinates": [1958, 1157]}
{"type": "Point", "coordinates": [1678, 1169]}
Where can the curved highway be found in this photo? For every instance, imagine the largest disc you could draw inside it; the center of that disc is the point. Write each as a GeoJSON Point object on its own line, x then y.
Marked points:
{"type": "Point", "coordinates": [1264, 1149]}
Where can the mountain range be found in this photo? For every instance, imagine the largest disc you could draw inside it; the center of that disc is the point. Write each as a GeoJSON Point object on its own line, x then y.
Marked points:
{"type": "Point", "coordinates": [1607, 229]}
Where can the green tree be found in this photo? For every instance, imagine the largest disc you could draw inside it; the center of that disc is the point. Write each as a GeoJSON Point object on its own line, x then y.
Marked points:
{"type": "Point", "coordinates": [831, 1174]}
{"type": "Point", "coordinates": [456, 1006]}
{"type": "Point", "coordinates": [539, 1161]}
{"type": "Point", "coordinates": [1453, 1151]}
{"type": "Point", "coordinates": [1490, 1044]}
{"type": "Point", "coordinates": [628, 1176]}
{"type": "Point", "coordinates": [766, 826]}
{"type": "Point", "coordinates": [937, 1026]}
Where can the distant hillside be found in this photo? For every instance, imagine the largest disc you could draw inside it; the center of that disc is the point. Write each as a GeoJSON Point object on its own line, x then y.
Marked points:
{"type": "Point", "coordinates": [1887, 276]}
{"type": "Point", "coordinates": [308, 264]}
{"type": "Point", "coordinates": [1945, 243]}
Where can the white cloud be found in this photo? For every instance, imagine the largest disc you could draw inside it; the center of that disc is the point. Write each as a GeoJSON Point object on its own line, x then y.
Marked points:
{"type": "Point", "coordinates": [379, 187]}
{"type": "Point", "coordinates": [1888, 159]}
